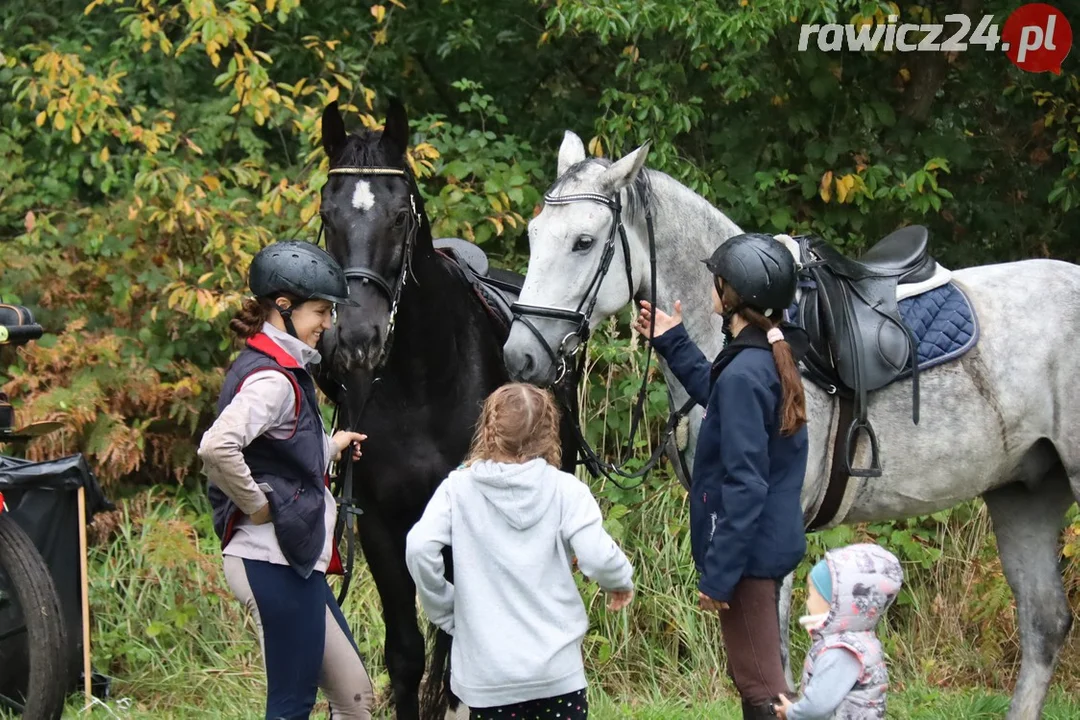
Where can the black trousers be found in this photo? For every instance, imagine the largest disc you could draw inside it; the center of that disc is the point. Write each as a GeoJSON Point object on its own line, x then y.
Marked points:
{"type": "Point", "coordinates": [572, 706]}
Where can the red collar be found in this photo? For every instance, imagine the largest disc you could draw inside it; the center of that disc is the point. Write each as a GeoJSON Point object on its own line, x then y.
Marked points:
{"type": "Point", "coordinates": [264, 344]}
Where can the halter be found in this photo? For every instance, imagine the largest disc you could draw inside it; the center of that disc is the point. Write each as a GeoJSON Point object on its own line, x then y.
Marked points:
{"type": "Point", "coordinates": [577, 338]}
{"type": "Point", "coordinates": [574, 341]}
{"type": "Point", "coordinates": [366, 275]}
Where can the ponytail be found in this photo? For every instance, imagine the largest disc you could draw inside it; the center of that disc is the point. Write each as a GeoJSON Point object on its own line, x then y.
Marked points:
{"type": "Point", "coordinates": [793, 402]}
{"type": "Point", "coordinates": [248, 320]}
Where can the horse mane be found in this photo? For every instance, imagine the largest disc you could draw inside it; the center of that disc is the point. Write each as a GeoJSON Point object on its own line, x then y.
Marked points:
{"type": "Point", "coordinates": [638, 193]}
{"type": "Point", "coordinates": [365, 149]}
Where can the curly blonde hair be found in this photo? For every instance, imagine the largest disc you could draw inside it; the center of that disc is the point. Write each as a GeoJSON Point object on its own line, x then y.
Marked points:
{"type": "Point", "coordinates": [519, 422]}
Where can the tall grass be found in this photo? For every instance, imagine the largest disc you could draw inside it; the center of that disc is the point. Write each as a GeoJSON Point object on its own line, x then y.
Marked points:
{"type": "Point", "coordinates": [177, 645]}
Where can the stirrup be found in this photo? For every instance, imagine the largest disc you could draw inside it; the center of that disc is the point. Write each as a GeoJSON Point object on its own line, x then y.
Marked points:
{"type": "Point", "coordinates": [849, 447]}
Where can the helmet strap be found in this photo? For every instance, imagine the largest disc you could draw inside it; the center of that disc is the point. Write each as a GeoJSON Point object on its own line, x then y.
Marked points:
{"type": "Point", "coordinates": [286, 316]}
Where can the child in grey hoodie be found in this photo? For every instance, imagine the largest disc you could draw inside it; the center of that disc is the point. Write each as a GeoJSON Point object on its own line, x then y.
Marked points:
{"type": "Point", "coordinates": [845, 677]}
{"type": "Point", "coordinates": [514, 521]}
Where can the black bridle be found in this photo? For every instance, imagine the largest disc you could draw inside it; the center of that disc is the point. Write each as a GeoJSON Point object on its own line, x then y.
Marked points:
{"type": "Point", "coordinates": [348, 509]}
{"type": "Point", "coordinates": [577, 339]}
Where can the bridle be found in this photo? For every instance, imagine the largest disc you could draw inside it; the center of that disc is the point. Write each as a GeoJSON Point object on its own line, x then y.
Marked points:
{"type": "Point", "coordinates": [346, 501]}
{"type": "Point", "coordinates": [570, 347]}
{"type": "Point", "coordinates": [577, 338]}
{"type": "Point", "coordinates": [365, 274]}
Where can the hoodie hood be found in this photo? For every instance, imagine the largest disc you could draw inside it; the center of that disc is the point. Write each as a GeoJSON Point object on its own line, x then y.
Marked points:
{"type": "Point", "coordinates": [866, 578]}
{"type": "Point", "coordinates": [520, 492]}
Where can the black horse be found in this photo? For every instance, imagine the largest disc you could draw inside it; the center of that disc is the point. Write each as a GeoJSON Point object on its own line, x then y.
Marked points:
{"type": "Point", "coordinates": [410, 367]}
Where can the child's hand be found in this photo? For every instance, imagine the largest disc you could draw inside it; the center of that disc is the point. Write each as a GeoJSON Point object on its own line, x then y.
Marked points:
{"type": "Point", "coordinates": [619, 599]}
{"type": "Point", "coordinates": [343, 439]}
{"type": "Point", "coordinates": [785, 705]}
{"type": "Point", "coordinates": [664, 322]}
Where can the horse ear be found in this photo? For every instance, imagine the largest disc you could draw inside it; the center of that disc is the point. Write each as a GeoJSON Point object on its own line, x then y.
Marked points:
{"type": "Point", "coordinates": [333, 131]}
{"type": "Point", "coordinates": [571, 152]}
{"type": "Point", "coordinates": [625, 170]}
{"type": "Point", "coordinates": [395, 137]}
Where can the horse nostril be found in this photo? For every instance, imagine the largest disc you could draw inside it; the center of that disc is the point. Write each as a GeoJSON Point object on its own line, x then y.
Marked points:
{"type": "Point", "coordinates": [528, 365]}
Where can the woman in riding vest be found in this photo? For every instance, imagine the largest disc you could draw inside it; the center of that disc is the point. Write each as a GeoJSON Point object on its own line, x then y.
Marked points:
{"type": "Point", "coordinates": [266, 457]}
{"type": "Point", "coordinates": [746, 523]}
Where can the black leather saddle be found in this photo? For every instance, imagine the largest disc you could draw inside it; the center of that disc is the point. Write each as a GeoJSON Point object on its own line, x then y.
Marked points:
{"type": "Point", "coordinates": [858, 340]}
{"type": "Point", "coordinates": [497, 288]}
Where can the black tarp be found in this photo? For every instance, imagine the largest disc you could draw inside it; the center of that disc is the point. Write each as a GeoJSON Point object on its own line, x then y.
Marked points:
{"type": "Point", "coordinates": [42, 497]}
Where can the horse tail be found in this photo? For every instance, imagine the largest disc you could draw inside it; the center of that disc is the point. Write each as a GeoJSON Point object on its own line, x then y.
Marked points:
{"type": "Point", "coordinates": [435, 696]}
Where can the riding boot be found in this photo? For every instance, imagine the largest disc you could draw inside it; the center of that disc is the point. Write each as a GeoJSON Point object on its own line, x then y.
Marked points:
{"type": "Point", "coordinates": [757, 712]}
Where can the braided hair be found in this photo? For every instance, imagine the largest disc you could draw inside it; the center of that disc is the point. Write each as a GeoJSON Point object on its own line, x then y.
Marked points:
{"type": "Point", "coordinates": [519, 422]}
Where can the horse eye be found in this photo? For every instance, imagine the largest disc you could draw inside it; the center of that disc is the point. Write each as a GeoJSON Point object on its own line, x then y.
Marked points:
{"type": "Point", "coordinates": [402, 216]}
{"type": "Point", "coordinates": [583, 243]}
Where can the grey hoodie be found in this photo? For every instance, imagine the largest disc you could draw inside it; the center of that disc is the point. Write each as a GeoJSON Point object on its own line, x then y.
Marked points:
{"type": "Point", "coordinates": [514, 609]}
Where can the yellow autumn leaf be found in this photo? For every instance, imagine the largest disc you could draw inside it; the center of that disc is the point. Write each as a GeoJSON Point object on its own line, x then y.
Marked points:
{"type": "Point", "coordinates": [308, 211]}
{"type": "Point", "coordinates": [333, 94]}
{"type": "Point", "coordinates": [844, 187]}
{"type": "Point", "coordinates": [76, 134]}
{"type": "Point", "coordinates": [496, 204]}
{"type": "Point", "coordinates": [825, 188]}
{"type": "Point", "coordinates": [212, 183]}
{"type": "Point", "coordinates": [270, 5]}
{"type": "Point", "coordinates": [596, 147]}
{"type": "Point", "coordinates": [104, 155]}
{"type": "Point", "coordinates": [59, 122]}
{"type": "Point", "coordinates": [497, 223]}
{"type": "Point", "coordinates": [380, 37]}
{"type": "Point", "coordinates": [378, 12]}
{"type": "Point", "coordinates": [204, 277]}
{"type": "Point", "coordinates": [399, 4]}
{"type": "Point", "coordinates": [41, 118]}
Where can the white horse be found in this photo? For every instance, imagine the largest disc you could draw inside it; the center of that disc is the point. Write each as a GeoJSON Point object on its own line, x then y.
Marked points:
{"type": "Point", "coordinates": [1001, 423]}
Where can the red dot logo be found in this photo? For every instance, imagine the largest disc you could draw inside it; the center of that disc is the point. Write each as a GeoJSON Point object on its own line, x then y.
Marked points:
{"type": "Point", "coordinates": [1037, 37]}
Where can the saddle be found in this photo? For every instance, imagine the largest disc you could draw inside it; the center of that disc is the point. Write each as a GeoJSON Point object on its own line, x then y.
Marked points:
{"type": "Point", "coordinates": [497, 288]}
{"type": "Point", "coordinates": [858, 341]}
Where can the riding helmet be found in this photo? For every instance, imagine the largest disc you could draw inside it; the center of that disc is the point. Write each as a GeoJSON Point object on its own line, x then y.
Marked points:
{"type": "Point", "coordinates": [759, 268]}
{"type": "Point", "coordinates": [302, 270]}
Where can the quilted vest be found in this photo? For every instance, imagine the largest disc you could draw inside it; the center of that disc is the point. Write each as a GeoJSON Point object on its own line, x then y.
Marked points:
{"type": "Point", "coordinates": [293, 467]}
{"type": "Point", "coordinates": [866, 579]}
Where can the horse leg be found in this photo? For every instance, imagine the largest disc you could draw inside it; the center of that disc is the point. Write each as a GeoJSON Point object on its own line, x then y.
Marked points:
{"type": "Point", "coordinates": [384, 549]}
{"type": "Point", "coordinates": [1027, 524]}
{"type": "Point", "coordinates": [784, 610]}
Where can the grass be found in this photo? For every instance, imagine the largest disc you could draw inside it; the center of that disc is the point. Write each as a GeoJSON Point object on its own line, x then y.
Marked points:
{"type": "Point", "coordinates": [177, 645]}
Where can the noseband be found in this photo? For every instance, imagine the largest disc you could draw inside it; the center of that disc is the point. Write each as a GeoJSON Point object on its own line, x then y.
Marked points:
{"type": "Point", "coordinates": [365, 274]}
{"type": "Point", "coordinates": [577, 338]}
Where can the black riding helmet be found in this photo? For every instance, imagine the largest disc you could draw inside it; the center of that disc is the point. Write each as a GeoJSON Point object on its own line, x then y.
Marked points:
{"type": "Point", "coordinates": [300, 269]}
{"type": "Point", "coordinates": [759, 268]}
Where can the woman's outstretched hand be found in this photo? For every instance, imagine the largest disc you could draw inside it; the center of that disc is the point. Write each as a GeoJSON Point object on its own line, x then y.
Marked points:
{"type": "Point", "coordinates": [664, 322]}
{"type": "Point", "coordinates": [343, 439]}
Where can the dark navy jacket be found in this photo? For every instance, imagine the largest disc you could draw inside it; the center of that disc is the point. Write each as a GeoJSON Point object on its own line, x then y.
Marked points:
{"type": "Point", "coordinates": [745, 514]}
{"type": "Point", "coordinates": [293, 467]}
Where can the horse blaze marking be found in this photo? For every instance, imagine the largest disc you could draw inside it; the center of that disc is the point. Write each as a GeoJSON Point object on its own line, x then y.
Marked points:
{"type": "Point", "coordinates": [362, 199]}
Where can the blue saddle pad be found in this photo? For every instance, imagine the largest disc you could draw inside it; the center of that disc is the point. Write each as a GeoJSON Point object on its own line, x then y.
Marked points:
{"type": "Point", "coordinates": [943, 322]}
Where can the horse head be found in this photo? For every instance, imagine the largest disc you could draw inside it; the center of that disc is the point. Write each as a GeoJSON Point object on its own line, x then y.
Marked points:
{"type": "Point", "coordinates": [373, 217]}
{"type": "Point", "coordinates": [581, 255]}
